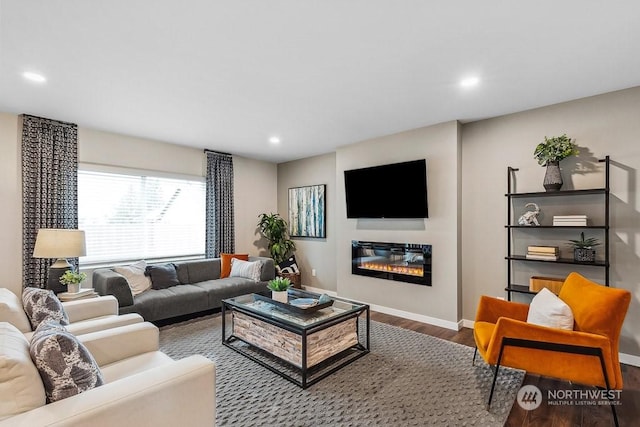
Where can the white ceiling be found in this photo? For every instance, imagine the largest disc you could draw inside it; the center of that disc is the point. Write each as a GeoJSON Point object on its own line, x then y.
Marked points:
{"type": "Point", "coordinates": [227, 75]}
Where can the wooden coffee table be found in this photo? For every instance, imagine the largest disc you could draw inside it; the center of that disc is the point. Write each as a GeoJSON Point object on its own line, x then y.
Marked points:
{"type": "Point", "coordinates": [303, 346]}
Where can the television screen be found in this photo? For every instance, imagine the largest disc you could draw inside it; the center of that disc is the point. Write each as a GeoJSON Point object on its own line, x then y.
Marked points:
{"type": "Point", "coordinates": [397, 190]}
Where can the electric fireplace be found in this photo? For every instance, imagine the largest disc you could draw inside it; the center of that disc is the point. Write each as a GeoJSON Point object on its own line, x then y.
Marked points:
{"type": "Point", "coordinates": [404, 262]}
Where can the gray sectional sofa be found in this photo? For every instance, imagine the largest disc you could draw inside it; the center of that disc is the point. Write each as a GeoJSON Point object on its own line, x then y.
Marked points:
{"type": "Point", "coordinates": [200, 289]}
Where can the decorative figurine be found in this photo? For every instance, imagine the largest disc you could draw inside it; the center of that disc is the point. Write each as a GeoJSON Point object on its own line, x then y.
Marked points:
{"type": "Point", "coordinates": [530, 217]}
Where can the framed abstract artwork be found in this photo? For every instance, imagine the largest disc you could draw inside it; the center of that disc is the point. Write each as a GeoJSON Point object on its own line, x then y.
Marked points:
{"type": "Point", "coordinates": [307, 213]}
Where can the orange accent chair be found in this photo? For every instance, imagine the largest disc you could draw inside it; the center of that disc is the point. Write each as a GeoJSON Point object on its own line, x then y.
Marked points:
{"type": "Point", "coordinates": [586, 355]}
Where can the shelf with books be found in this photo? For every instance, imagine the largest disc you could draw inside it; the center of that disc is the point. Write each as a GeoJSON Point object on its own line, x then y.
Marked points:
{"type": "Point", "coordinates": [557, 261]}
{"type": "Point", "coordinates": [592, 214]}
{"type": "Point", "coordinates": [595, 227]}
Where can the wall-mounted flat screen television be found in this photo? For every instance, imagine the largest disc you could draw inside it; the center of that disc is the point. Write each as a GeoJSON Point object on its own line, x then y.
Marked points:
{"type": "Point", "coordinates": [397, 190]}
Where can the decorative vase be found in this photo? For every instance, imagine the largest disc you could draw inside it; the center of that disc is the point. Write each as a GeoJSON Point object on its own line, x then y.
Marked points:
{"type": "Point", "coordinates": [552, 177]}
{"type": "Point", "coordinates": [73, 288]}
{"type": "Point", "coordinates": [280, 296]}
{"type": "Point", "coordinates": [584, 254]}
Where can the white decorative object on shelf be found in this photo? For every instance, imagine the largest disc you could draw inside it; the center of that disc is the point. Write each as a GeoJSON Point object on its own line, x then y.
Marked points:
{"type": "Point", "coordinates": [530, 217]}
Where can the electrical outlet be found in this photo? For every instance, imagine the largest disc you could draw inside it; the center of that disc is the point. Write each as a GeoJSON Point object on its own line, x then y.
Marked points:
{"type": "Point", "coordinates": [313, 272]}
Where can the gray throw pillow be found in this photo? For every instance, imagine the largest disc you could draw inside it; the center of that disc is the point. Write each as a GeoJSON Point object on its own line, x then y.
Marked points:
{"type": "Point", "coordinates": [64, 363]}
{"type": "Point", "coordinates": [42, 304]}
{"type": "Point", "coordinates": [162, 276]}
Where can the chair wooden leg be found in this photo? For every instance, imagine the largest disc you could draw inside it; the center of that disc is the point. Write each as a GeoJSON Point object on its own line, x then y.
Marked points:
{"type": "Point", "coordinates": [615, 416]}
{"type": "Point", "coordinates": [495, 375]}
{"type": "Point", "coordinates": [613, 407]}
{"type": "Point", "coordinates": [475, 352]}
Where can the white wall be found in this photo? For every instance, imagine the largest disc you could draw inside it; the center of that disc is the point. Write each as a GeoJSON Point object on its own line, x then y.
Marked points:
{"type": "Point", "coordinates": [602, 125]}
{"type": "Point", "coordinates": [11, 196]}
{"type": "Point", "coordinates": [312, 253]}
{"type": "Point", "coordinates": [255, 191]}
{"type": "Point", "coordinates": [439, 144]}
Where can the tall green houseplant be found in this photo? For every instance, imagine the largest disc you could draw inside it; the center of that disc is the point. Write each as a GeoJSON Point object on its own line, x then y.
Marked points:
{"type": "Point", "coordinates": [274, 228]}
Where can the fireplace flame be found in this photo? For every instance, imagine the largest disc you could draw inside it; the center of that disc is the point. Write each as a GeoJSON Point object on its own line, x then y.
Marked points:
{"type": "Point", "coordinates": [392, 268]}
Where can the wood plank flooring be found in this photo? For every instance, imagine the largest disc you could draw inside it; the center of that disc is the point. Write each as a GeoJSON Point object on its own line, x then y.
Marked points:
{"type": "Point", "coordinates": [545, 415]}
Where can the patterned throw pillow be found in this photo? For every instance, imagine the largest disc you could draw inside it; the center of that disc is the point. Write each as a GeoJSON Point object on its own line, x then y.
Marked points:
{"type": "Point", "coordinates": [42, 304]}
{"type": "Point", "coordinates": [64, 363]}
{"type": "Point", "coordinates": [246, 269]}
{"type": "Point", "coordinates": [288, 265]}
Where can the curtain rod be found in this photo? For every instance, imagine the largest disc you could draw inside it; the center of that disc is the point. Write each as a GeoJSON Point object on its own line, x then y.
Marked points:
{"type": "Point", "coordinates": [44, 119]}
{"type": "Point", "coordinates": [206, 150]}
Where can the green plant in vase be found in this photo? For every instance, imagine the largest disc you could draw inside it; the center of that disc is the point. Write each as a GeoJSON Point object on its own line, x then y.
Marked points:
{"type": "Point", "coordinates": [549, 153]}
{"type": "Point", "coordinates": [72, 280]}
{"type": "Point", "coordinates": [279, 287]}
{"type": "Point", "coordinates": [274, 228]}
{"type": "Point", "coordinates": [279, 284]}
{"type": "Point", "coordinates": [583, 249]}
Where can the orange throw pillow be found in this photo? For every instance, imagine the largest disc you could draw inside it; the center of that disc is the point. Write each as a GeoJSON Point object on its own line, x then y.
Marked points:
{"type": "Point", "coordinates": [225, 264]}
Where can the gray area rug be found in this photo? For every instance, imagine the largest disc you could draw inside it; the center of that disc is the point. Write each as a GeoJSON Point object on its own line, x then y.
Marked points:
{"type": "Point", "coordinates": [408, 379]}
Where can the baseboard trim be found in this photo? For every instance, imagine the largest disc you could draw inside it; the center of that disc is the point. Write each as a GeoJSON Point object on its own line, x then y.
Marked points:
{"type": "Point", "coordinates": [456, 326]}
{"type": "Point", "coordinates": [417, 317]}
{"type": "Point", "coordinates": [320, 291]}
{"type": "Point", "coordinates": [629, 359]}
{"type": "Point", "coordinates": [467, 323]}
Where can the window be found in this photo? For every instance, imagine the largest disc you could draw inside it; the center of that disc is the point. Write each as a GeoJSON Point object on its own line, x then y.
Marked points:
{"type": "Point", "coordinates": [129, 217]}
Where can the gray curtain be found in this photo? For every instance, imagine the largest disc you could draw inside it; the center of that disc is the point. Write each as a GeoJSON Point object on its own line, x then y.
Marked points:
{"type": "Point", "coordinates": [220, 225]}
{"type": "Point", "coordinates": [49, 187]}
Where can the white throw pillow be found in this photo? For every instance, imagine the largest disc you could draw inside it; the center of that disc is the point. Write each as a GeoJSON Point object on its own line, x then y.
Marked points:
{"type": "Point", "coordinates": [134, 274]}
{"type": "Point", "coordinates": [20, 385]}
{"type": "Point", "coordinates": [11, 311]}
{"type": "Point", "coordinates": [547, 309]}
{"type": "Point", "coordinates": [247, 269]}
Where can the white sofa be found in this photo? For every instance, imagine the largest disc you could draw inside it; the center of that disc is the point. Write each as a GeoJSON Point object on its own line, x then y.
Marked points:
{"type": "Point", "coordinates": [85, 316]}
{"type": "Point", "coordinates": [143, 386]}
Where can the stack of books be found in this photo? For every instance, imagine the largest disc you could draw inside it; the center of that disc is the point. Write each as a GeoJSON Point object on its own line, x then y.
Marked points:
{"type": "Point", "coordinates": [570, 220]}
{"type": "Point", "coordinates": [543, 253]}
{"type": "Point", "coordinates": [82, 294]}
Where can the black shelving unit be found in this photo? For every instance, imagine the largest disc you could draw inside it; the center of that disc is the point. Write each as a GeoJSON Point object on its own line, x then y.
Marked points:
{"type": "Point", "coordinates": [510, 227]}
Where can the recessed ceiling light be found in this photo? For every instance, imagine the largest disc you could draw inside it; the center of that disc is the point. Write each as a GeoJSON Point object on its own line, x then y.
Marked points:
{"type": "Point", "coordinates": [469, 82]}
{"type": "Point", "coordinates": [34, 77]}
{"type": "Point", "coordinates": [274, 140]}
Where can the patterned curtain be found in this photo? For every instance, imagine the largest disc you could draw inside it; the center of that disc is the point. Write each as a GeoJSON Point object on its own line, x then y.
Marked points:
{"type": "Point", "coordinates": [220, 225]}
{"type": "Point", "coordinates": [49, 187]}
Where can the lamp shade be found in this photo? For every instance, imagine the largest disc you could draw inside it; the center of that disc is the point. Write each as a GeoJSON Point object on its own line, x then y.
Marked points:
{"type": "Point", "coordinates": [59, 243]}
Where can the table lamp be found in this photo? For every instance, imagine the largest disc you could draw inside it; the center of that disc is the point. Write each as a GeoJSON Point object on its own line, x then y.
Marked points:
{"type": "Point", "coordinates": [60, 244]}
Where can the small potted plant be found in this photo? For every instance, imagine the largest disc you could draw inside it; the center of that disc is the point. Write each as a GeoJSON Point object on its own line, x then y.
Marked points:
{"type": "Point", "coordinates": [583, 249]}
{"type": "Point", "coordinates": [549, 153]}
{"type": "Point", "coordinates": [72, 280]}
{"type": "Point", "coordinates": [279, 287]}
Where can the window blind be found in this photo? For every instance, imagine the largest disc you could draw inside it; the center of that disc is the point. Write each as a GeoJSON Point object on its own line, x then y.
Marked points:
{"type": "Point", "coordinates": [131, 217]}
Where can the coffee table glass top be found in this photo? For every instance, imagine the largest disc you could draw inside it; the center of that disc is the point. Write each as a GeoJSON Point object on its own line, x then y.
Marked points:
{"type": "Point", "coordinates": [263, 307]}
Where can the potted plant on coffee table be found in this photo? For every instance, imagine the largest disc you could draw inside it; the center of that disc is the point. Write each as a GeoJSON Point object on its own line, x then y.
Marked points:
{"type": "Point", "coordinates": [549, 153]}
{"type": "Point", "coordinates": [279, 287]}
{"type": "Point", "coordinates": [583, 249]}
{"type": "Point", "coordinates": [72, 280]}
